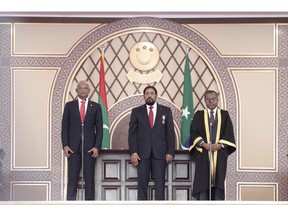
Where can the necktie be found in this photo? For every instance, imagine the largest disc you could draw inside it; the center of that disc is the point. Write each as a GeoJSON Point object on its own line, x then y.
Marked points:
{"type": "Point", "coordinates": [211, 117]}
{"type": "Point", "coordinates": [151, 116]}
{"type": "Point", "coordinates": [82, 111]}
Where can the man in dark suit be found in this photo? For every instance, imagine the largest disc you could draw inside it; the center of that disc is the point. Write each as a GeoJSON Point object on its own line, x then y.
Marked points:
{"type": "Point", "coordinates": [151, 143]}
{"type": "Point", "coordinates": [211, 136]}
{"type": "Point", "coordinates": [78, 130]}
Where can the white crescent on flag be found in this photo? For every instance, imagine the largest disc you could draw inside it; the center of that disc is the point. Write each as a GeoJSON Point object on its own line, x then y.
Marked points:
{"type": "Point", "coordinates": [105, 127]}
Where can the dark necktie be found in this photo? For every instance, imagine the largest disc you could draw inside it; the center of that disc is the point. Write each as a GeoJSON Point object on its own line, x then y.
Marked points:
{"type": "Point", "coordinates": [82, 111]}
{"type": "Point", "coordinates": [211, 117]}
{"type": "Point", "coordinates": [151, 116]}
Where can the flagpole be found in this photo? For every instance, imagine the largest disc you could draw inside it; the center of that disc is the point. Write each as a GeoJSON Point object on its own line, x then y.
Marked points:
{"type": "Point", "coordinates": [102, 100]}
{"type": "Point", "coordinates": [82, 162]}
{"type": "Point", "coordinates": [210, 162]}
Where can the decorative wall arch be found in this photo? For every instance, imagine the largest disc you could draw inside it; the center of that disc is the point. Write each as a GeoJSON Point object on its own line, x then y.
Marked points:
{"type": "Point", "coordinates": [94, 39]}
{"type": "Point", "coordinates": [55, 172]}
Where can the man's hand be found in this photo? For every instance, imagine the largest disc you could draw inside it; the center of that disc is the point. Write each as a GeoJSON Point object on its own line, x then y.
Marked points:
{"type": "Point", "coordinates": [214, 147]}
{"type": "Point", "coordinates": [169, 158]}
{"type": "Point", "coordinates": [134, 159]}
{"type": "Point", "coordinates": [67, 151]}
{"type": "Point", "coordinates": [94, 152]}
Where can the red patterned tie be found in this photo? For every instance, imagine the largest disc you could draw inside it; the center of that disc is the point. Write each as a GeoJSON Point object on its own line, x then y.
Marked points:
{"type": "Point", "coordinates": [151, 116]}
{"type": "Point", "coordinates": [82, 111]}
{"type": "Point", "coordinates": [211, 117]}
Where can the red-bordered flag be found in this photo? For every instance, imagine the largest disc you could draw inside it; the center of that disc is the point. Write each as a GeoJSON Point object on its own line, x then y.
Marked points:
{"type": "Point", "coordinates": [102, 100]}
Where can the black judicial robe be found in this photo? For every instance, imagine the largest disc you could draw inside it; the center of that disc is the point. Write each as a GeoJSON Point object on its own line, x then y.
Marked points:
{"type": "Point", "coordinates": [222, 132]}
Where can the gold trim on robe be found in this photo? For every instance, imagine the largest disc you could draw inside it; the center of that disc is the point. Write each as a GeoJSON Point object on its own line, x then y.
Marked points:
{"type": "Point", "coordinates": [213, 162]}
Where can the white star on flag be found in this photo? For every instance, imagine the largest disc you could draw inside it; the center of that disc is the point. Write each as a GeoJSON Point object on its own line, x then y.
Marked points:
{"type": "Point", "coordinates": [188, 111]}
{"type": "Point", "coordinates": [185, 112]}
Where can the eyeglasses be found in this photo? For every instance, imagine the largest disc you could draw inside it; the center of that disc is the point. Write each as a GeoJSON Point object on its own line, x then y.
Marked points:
{"type": "Point", "coordinates": [211, 99]}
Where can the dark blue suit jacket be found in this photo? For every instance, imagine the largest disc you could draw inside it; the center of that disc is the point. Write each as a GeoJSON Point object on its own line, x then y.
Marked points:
{"type": "Point", "coordinates": [160, 139]}
{"type": "Point", "coordinates": [72, 127]}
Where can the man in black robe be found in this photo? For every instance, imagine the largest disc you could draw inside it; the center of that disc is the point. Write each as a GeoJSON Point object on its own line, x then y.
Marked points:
{"type": "Point", "coordinates": [211, 155]}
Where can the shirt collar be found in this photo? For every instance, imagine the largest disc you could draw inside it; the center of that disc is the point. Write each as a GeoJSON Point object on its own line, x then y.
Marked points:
{"type": "Point", "coordinates": [80, 100]}
{"type": "Point", "coordinates": [214, 111]}
{"type": "Point", "coordinates": [154, 106]}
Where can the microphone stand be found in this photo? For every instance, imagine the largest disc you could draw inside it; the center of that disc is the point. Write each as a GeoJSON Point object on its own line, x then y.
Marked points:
{"type": "Point", "coordinates": [82, 162]}
{"type": "Point", "coordinates": [210, 163]}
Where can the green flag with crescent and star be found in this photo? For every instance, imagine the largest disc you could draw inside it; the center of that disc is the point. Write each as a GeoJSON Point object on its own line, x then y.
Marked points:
{"type": "Point", "coordinates": [187, 106]}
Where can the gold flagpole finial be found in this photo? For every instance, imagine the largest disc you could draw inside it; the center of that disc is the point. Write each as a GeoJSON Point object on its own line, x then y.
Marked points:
{"type": "Point", "coordinates": [187, 49]}
{"type": "Point", "coordinates": [102, 48]}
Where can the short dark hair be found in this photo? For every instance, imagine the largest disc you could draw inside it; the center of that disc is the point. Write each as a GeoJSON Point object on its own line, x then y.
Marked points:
{"type": "Point", "coordinates": [210, 92]}
{"type": "Point", "coordinates": [149, 87]}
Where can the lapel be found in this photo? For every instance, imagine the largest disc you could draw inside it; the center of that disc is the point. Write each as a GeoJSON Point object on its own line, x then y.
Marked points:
{"type": "Point", "coordinates": [77, 109]}
{"type": "Point", "coordinates": [159, 115]}
{"type": "Point", "coordinates": [145, 114]}
{"type": "Point", "coordinates": [216, 117]}
{"type": "Point", "coordinates": [215, 127]}
{"type": "Point", "coordinates": [89, 107]}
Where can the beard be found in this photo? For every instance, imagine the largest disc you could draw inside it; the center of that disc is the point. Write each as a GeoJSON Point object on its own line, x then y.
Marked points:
{"type": "Point", "coordinates": [150, 101]}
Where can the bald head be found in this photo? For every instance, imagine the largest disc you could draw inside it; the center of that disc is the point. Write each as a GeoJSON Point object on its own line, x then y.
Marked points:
{"type": "Point", "coordinates": [82, 89]}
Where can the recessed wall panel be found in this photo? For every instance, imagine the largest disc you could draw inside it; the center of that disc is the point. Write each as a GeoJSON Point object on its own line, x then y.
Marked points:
{"type": "Point", "coordinates": [31, 91]}
{"type": "Point", "coordinates": [47, 38]}
{"type": "Point", "coordinates": [111, 170]}
{"type": "Point", "coordinates": [131, 193]}
{"type": "Point", "coordinates": [111, 193]}
{"type": "Point", "coordinates": [241, 39]}
{"type": "Point", "coordinates": [257, 192]}
{"type": "Point", "coordinates": [30, 191]}
{"type": "Point", "coordinates": [257, 97]}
